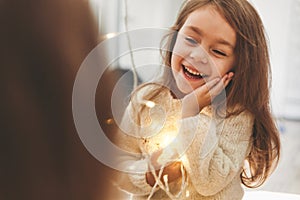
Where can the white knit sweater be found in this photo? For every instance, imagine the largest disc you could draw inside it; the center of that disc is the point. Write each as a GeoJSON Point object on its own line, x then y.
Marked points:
{"type": "Point", "coordinates": [212, 149]}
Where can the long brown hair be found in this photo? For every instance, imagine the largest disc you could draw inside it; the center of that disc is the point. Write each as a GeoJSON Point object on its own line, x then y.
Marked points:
{"type": "Point", "coordinates": [250, 94]}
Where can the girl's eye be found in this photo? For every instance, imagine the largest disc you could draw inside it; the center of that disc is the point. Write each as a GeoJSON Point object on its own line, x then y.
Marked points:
{"type": "Point", "coordinates": [219, 52]}
{"type": "Point", "coordinates": [191, 41]}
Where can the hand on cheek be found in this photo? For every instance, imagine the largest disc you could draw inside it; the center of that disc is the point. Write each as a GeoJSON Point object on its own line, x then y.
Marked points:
{"type": "Point", "coordinates": [201, 97]}
{"type": "Point", "coordinates": [228, 78]}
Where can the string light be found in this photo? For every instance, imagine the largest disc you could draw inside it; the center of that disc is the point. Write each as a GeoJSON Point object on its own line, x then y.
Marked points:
{"type": "Point", "coordinates": [109, 121]}
{"type": "Point", "coordinates": [110, 35]}
{"type": "Point", "coordinates": [187, 193]}
{"type": "Point", "coordinates": [150, 104]}
{"type": "Point", "coordinates": [169, 152]}
{"type": "Point", "coordinates": [129, 45]}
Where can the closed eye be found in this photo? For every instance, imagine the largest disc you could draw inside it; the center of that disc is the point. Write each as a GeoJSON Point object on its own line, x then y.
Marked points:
{"type": "Point", "coordinates": [219, 52]}
{"type": "Point", "coordinates": [191, 40]}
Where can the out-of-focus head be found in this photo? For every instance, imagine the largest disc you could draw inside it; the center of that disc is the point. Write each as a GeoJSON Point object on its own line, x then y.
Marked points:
{"type": "Point", "coordinates": [43, 44]}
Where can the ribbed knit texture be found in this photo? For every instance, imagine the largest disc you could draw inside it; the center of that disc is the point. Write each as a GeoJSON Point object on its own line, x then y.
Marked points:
{"type": "Point", "coordinates": [212, 150]}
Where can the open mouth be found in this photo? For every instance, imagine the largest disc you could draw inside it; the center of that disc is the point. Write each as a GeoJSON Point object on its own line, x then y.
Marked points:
{"type": "Point", "coordinates": [192, 73]}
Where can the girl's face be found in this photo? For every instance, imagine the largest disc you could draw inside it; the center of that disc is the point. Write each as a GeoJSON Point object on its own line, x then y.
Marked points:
{"type": "Point", "coordinates": [204, 49]}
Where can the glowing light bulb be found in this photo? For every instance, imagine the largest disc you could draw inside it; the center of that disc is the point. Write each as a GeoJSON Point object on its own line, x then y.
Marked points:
{"type": "Point", "coordinates": [168, 146]}
{"type": "Point", "coordinates": [150, 104]}
{"type": "Point", "coordinates": [110, 35]}
{"type": "Point", "coordinates": [187, 193]}
{"type": "Point", "coordinates": [166, 140]}
{"type": "Point", "coordinates": [165, 177]}
{"type": "Point", "coordinates": [109, 121]}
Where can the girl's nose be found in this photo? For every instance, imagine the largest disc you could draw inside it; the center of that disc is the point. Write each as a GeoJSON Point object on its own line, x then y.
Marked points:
{"type": "Point", "coordinates": [198, 54]}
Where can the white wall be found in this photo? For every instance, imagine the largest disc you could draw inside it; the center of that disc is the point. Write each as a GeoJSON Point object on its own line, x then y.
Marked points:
{"type": "Point", "coordinates": [154, 15]}
{"type": "Point", "coordinates": [141, 14]}
{"type": "Point", "coordinates": [282, 22]}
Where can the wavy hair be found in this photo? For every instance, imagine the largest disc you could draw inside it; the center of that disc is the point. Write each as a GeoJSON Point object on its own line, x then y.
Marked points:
{"type": "Point", "coordinates": [250, 94]}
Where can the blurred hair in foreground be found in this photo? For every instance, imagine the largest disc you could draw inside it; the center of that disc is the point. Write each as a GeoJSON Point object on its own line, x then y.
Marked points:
{"type": "Point", "coordinates": [43, 44]}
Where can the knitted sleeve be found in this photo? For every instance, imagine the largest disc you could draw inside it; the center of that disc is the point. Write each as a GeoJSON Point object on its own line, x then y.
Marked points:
{"type": "Point", "coordinates": [217, 151]}
{"type": "Point", "coordinates": [132, 176]}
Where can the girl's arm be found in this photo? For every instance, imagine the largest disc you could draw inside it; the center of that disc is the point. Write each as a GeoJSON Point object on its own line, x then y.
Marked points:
{"type": "Point", "coordinates": [132, 178]}
{"type": "Point", "coordinates": [217, 153]}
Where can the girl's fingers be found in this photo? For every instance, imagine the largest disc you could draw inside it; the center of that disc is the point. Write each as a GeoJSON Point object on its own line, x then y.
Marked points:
{"type": "Point", "coordinates": [227, 82]}
{"type": "Point", "coordinates": [229, 78]}
{"type": "Point", "coordinates": [221, 85]}
{"type": "Point", "coordinates": [211, 89]}
{"type": "Point", "coordinates": [210, 84]}
{"type": "Point", "coordinates": [218, 87]}
{"type": "Point", "coordinates": [155, 156]}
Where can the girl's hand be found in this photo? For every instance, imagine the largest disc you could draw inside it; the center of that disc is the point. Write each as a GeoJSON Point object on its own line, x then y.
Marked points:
{"type": "Point", "coordinates": [173, 171]}
{"type": "Point", "coordinates": [201, 97]}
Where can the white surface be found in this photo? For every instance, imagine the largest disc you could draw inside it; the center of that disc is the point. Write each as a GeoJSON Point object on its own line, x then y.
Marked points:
{"type": "Point", "coordinates": [281, 20]}
{"type": "Point", "coordinates": [264, 195]}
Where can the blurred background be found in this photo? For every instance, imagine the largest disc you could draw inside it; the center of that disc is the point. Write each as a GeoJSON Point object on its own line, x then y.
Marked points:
{"type": "Point", "coordinates": [282, 23]}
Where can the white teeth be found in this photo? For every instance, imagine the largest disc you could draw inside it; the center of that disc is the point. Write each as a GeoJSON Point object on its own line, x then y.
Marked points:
{"type": "Point", "coordinates": [192, 71]}
{"type": "Point", "coordinates": [196, 73]}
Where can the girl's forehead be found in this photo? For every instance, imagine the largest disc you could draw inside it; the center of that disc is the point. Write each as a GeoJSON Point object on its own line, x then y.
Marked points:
{"type": "Point", "coordinates": [207, 12]}
{"type": "Point", "coordinates": [207, 20]}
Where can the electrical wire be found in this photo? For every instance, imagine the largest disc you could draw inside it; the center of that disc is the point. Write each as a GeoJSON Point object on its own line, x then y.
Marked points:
{"type": "Point", "coordinates": [163, 185]}
{"type": "Point", "coordinates": [130, 47]}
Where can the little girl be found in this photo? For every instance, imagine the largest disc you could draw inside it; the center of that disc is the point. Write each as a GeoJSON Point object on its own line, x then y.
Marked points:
{"type": "Point", "coordinates": [208, 128]}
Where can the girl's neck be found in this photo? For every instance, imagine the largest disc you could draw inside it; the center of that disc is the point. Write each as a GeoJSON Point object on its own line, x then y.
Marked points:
{"type": "Point", "coordinates": [175, 92]}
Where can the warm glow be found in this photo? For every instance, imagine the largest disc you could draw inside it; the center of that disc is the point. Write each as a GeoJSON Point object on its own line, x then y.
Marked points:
{"type": "Point", "coordinates": [168, 145]}
{"type": "Point", "coordinates": [150, 104]}
{"type": "Point", "coordinates": [187, 193]}
{"type": "Point", "coordinates": [165, 177]}
{"type": "Point", "coordinates": [110, 35]}
{"type": "Point", "coordinates": [109, 121]}
{"type": "Point", "coordinates": [166, 140]}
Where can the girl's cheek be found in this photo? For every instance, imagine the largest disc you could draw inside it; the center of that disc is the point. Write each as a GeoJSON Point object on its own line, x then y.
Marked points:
{"type": "Point", "coordinates": [177, 51]}
{"type": "Point", "coordinates": [181, 49]}
{"type": "Point", "coordinates": [175, 62]}
{"type": "Point", "coordinates": [217, 69]}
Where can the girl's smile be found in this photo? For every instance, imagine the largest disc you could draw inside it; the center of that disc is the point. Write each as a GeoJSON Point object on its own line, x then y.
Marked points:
{"type": "Point", "coordinates": [204, 49]}
{"type": "Point", "coordinates": [192, 73]}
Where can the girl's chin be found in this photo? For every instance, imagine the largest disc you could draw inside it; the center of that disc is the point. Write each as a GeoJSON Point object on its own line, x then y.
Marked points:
{"type": "Point", "coordinates": [185, 88]}
{"type": "Point", "coordinates": [186, 85]}
{"type": "Point", "coordinates": [190, 87]}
